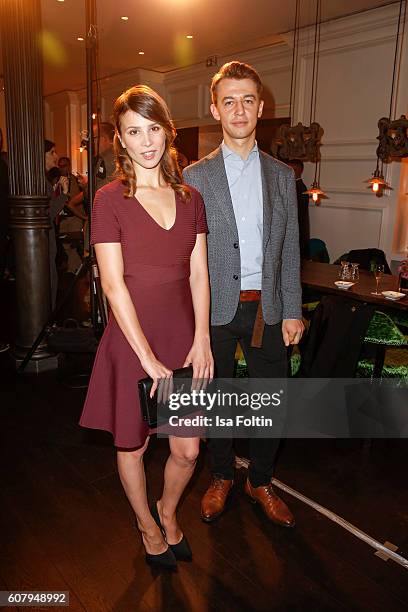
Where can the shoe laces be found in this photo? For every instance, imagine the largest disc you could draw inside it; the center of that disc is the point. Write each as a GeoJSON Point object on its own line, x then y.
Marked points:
{"type": "Point", "coordinates": [269, 490]}
{"type": "Point", "coordinates": [218, 483]}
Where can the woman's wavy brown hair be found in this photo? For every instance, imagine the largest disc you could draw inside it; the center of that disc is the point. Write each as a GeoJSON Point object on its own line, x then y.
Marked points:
{"type": "Point", "coordinates": [146, 102]}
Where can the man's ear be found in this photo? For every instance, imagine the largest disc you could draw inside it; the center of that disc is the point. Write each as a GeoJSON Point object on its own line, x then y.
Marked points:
{"type": "Point", "coordinates": [214, 112]}
{"type": "Point", "coordinates": [260, 109]}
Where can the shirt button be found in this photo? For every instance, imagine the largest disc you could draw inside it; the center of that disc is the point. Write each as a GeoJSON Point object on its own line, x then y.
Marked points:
{"type": "Point", "coordinates": [235, 277]}
{"type": "Point", "coordinates": [236, 245]}
{"type": "Point", "coordinates": [243, 219]}
{"type": "Point", "coordinates": [243, 241]}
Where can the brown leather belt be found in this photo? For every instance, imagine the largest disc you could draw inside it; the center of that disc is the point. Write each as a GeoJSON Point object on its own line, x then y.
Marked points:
{"type": "Point", "coordinates": [253, 295]}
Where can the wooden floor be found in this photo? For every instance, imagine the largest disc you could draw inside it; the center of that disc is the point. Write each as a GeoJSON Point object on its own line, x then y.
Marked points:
{"type": "Point", "coordinates": [66, 524]}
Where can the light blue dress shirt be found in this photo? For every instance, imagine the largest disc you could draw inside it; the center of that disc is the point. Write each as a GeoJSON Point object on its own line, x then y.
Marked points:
{"type": "Point", "coordinates": [245, 185]}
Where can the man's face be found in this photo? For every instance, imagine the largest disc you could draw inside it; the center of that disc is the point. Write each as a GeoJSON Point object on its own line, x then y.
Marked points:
{"type": "Point", "coordinates": [104, 143]}
{"type": "Point", "coordinates": [238, 107]}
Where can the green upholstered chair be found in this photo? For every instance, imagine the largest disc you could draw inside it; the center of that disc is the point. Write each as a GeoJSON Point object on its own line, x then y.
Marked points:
{"type": "Point", "coordinates": [391, 349]}
{"type": "Point", "coordinates": [390, 355]}
{"type": "Point", "coordinates": [400, 318]}
{"type": "Point", "coordinates": [395, 365]}
{"type": "Point", "coordinates": [241, 368]}
{"type": "Point", "coordinates": [295, 361]}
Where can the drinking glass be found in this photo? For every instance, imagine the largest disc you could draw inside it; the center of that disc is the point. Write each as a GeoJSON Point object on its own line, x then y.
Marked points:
{"type": "Point", "coordinates": [378, 271]}
{"type": "Point", "coordinates": [354, 275]}
{"type": "Point", "coordinates": [344, 272]}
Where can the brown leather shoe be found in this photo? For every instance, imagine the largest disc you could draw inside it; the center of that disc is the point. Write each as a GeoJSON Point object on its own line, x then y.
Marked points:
{"type": "Point", "coordinates": [275, 509]}
{"type": "Point", "coordinates": [213, 502]}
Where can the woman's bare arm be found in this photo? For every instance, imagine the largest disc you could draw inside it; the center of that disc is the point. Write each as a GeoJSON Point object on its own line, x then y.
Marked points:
{"type": "Point", "coordinates": [200, 355]}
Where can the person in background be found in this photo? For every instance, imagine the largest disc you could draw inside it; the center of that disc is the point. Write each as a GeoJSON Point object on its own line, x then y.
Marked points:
{"type": "Point", "coordinates": [105, 162]}
{"type": "Point", "coordinates": [303, 208]}
{"type": "Point", "coordinates": [253, 257]}
{"type": "Point", "coordinates": [72, 218]}
{"type": "Point", "coordinates": [57, 192]}
{"type": "Point", "coordinates": [104, 168]}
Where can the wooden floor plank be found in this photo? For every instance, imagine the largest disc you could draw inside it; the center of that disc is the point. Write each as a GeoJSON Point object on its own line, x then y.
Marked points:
{"type": "Point", "coordinates": [25, 564]}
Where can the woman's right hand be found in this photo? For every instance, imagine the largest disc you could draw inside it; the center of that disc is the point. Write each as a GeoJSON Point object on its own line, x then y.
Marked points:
{"type": "Point", "coordinates": [157, 371]}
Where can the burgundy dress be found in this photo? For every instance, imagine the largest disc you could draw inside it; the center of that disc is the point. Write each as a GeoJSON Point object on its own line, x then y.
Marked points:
{"type": "Point", "coordinates": [156, 272]}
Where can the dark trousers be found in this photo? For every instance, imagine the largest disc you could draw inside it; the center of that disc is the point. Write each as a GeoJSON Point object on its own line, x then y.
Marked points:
{"type": "Point", "coordinates": [269, 361]}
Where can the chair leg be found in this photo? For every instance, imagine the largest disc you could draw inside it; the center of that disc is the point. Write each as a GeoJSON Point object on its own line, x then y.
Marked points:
{"type": "Point", "coordinates": [379, 360]}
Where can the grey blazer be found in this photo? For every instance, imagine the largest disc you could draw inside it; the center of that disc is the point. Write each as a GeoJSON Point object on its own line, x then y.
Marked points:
{"type": "Point", "coordinates": [281, 289]}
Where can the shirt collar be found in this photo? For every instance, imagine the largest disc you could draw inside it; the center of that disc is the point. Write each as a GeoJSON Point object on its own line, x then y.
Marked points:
{"type": "Point", "coordinates": [226, 151]}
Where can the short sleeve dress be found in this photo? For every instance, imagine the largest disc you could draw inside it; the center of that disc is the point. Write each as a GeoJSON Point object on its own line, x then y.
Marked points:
{"type": "Point", "coordinates": [156, 273]}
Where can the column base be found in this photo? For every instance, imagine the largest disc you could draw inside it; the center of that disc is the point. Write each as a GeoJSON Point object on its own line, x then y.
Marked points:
{"type": "Point", "coordinates": [36, 366]}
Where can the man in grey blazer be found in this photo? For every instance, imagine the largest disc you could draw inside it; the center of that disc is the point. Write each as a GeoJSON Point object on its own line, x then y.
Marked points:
{"type": "Point", "coordinates": [253, 257]}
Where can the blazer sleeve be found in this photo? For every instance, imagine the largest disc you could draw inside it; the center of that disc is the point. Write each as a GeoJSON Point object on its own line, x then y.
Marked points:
{"type": "Point", "coordinates": [290, 272]}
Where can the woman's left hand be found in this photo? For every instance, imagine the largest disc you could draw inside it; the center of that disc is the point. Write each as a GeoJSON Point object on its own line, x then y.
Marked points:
{"type": "Point", "coordinates": [200, 357]}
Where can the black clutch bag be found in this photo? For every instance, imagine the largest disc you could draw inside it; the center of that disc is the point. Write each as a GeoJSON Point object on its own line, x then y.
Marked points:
{"type": "Point", "coordinates": [148, 405]}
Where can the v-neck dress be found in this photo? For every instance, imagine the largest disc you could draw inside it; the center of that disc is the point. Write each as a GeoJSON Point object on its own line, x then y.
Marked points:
{"type": "Point", "coordinates": [156, 273]}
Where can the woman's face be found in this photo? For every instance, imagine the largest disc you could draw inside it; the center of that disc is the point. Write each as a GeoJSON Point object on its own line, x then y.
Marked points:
{"type": "Point", "coordinates": [51, 159]}
{"type": "Point", "coordinates": [144, 140]}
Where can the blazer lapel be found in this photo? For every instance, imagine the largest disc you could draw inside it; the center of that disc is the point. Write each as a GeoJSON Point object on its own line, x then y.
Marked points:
{"type": "Point", "coordinates": [217, 178]}
{"type": "Point", "coordinates": [268, 187]}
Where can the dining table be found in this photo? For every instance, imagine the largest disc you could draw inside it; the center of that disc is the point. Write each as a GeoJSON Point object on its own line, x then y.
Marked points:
{"type": "Point", "coordinates": [321, 277]}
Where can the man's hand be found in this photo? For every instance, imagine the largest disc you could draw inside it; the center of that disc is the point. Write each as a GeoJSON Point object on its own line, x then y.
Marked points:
{"type": "Point", "coordinates": [292, 330]}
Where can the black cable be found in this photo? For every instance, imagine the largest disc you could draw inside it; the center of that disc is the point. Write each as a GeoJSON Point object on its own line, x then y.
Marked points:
{"type": "Point", "coordinates": [319, 19]}
{"type": "Point", "coordinates": [395, 58]}
{"type": "Point", "coordinates": [294, 63]}
{"type": "Point", "coordinates": [314, 62]}
{"type": "Point", "coordinates": [399, 60]}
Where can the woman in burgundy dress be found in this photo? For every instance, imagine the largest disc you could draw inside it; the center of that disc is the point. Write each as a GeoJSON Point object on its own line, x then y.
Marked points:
{"type": "Point", "coordinates": [149, 233]}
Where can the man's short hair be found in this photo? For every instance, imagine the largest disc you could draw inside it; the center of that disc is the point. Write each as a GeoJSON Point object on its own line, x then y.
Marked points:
{"type": "Point", "coordinates": [107, 129]}
{"type": "Point", "coordinates": [235, 70]}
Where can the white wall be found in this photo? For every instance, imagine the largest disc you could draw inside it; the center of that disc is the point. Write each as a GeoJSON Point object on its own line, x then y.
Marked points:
{"type": "Point", "coordinates": [353, 93]}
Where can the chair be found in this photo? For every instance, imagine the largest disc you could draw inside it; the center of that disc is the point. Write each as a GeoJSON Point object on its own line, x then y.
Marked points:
{"type": "Point", "coordinates": [390, 357]}
{"type": "Point", "coordinates": [335, 338]}
{"type": "Point", "coordinates": [366, 258]}
{"type": "Point", "coordinates": [318, 251]}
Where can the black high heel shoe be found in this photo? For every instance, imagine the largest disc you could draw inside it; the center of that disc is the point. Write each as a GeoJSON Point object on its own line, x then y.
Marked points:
{"type": "Point", "coordinates": [182, 550]}
{"type": "Point", "coordinates": [165, 560]}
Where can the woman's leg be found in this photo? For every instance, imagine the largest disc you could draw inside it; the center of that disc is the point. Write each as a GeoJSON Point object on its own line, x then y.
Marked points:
{"type": "Point", "coordinates": [178, 471]}
{"type": "Point", "coordinates": [133, 479]}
